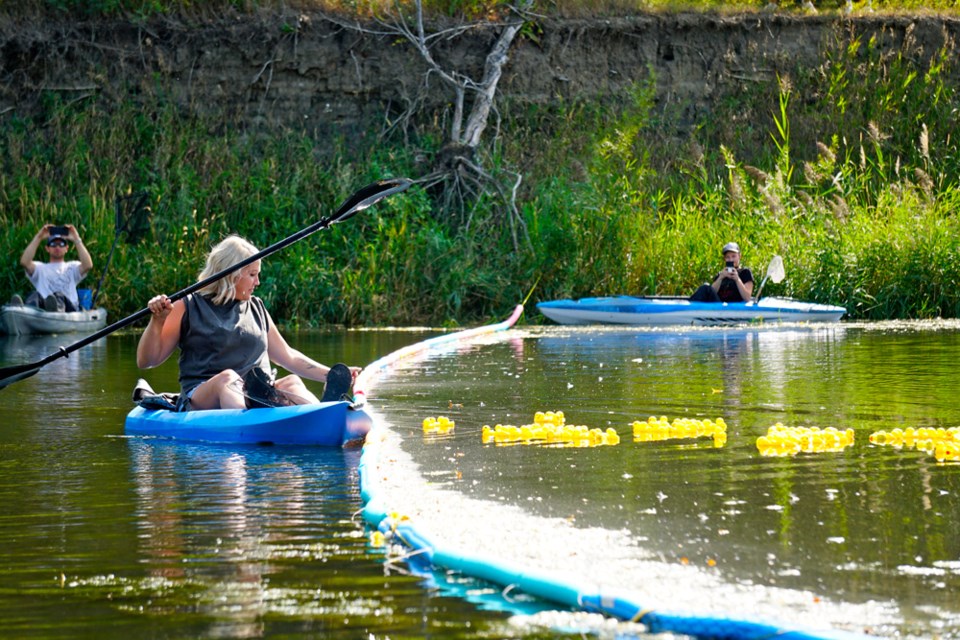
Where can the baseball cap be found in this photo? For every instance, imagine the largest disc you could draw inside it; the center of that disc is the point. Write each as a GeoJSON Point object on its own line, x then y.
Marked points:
{"type": "Point", "coordinates": [731, 246]}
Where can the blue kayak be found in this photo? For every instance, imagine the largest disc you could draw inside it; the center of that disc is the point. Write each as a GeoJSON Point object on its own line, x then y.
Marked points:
{"type": "Point", "coordinates": [673, 311]}
{"type": "Point", "coordinates": [330, 424]}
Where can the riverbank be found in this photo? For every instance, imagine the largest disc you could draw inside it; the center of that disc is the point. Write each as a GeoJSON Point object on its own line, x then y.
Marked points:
{"type": "Point", "coordinates": [638, 147]}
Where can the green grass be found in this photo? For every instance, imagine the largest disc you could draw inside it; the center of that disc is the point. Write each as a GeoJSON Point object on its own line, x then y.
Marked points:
{"type": "Point", "coordinates": [855, 186]}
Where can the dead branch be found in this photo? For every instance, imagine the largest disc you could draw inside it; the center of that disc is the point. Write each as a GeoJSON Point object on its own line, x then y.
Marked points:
{"type": "Point", "coordinates": [458, 171]}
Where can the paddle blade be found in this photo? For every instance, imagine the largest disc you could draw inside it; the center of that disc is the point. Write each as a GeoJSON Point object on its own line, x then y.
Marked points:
{"type": "Point", "coordinates": [775, 270]}
{"type": "Point", "coordinates": [9, 375]}
{"type": "Point", "coordinates": [369, 195]}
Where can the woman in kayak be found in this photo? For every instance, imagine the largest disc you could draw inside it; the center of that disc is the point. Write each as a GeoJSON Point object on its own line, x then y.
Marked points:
{"type": "Point", "coordinates": [227, 341]}
{"type": "Point", "coordinates": [732, 284]}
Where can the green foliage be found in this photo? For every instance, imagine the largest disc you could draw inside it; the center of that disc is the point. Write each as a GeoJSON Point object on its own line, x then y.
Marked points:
{"type": "Point", "coordinates": [70, 164]}
{"type": "Point", "coordinates": [848, 171]}
{"type": "Point", "coordinates": [866, 222]}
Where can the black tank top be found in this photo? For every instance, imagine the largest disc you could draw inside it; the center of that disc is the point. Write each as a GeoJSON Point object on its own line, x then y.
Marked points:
{"type": "Point", "coordinates": [215, 337]}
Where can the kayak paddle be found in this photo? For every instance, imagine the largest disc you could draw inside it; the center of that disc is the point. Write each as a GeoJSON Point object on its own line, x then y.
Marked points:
{"type": "Point", "coordinates": [775, 272]}
{"type": "Point", "coordinates": [363, 198]}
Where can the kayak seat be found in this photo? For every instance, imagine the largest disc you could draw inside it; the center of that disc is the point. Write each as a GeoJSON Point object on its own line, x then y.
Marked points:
{"type": "Point", "coordinates": [146, 397]}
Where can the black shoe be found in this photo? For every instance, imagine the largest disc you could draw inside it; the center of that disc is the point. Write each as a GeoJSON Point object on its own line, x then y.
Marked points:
{"type": "Point", "coordinates": [339, 381]}
{"type": "Point", "coordinates": [50, 303]}
{"type": "Point", "coordinates": [259, 391]}
{"type": "Point", "coordinates": [16, 299]}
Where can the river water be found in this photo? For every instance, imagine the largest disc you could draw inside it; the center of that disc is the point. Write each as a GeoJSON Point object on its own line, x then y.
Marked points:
{"type": "Point", "coordinates": [103, 535]}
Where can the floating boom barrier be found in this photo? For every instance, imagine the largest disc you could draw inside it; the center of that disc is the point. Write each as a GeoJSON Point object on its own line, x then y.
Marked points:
{"type": "Point", "coordinates": [552, 587]}
{"type": "Point", "coordinates": [374, 370]}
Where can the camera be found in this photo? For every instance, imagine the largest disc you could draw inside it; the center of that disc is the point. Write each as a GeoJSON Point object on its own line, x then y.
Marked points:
{"type": "Point", "coordinates": [59, 230]}
{"type": "Point", "coordinates": [730, 267]}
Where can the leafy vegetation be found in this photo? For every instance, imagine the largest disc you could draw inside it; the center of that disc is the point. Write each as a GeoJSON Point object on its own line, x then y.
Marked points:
{"type": "Point", "coordinates": [849, 171]}
{"type": "Point", "coordinates": [866, 220]}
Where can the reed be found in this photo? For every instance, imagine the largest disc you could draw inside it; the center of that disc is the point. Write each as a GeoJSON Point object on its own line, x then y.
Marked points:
{"type": "Point", "coordinates": [395, 263]}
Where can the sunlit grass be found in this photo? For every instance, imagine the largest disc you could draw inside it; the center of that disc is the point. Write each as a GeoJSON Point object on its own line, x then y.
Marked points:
{"type": "Point", "coordinates": [468, 8]}
{"type": "Point", "coordinates": [855, 196]}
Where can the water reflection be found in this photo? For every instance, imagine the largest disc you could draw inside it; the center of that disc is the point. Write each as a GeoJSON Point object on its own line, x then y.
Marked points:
{"type": "Point", "coordinates": [102, 534]}
{"type": "Point", "coordinates": [225, 519]}
{"type": "Point", "coordinates": [63, 374]}
{"type": "Point", "coordinates": [25, 349]}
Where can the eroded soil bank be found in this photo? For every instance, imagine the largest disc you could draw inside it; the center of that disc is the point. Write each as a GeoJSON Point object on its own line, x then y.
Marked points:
{"type": "Point", "coordinates": [311, 71]}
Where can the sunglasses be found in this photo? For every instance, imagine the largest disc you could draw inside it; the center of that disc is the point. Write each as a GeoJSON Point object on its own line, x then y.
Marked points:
{"type": "Point", "coordinates": [57, 243]}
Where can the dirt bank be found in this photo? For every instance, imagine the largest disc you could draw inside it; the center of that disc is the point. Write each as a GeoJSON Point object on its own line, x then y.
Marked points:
{"type": "Point", "coordinates": [305, 70]}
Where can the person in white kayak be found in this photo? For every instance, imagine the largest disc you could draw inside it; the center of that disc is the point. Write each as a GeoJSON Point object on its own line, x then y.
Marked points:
{"type": "Point", "coordinates": [733, 284]}
{"type": "Point", "coordinates": [55, 282]}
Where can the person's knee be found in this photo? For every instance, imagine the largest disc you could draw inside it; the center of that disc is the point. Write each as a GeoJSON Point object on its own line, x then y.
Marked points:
{"type": "Point", "coordinates": [221, 391]}
{"type": "Point", "coordinates": [704, 294]}
{"type": "Point", "coordinates": [227, 378]}
{"type": "Point", "coordinates": [290, 383]}
{"type": "Point", "coordinates": [295, 391]}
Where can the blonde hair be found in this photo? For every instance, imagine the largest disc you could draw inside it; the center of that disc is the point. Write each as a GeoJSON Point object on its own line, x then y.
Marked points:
{"type": "Point", "coordinates": [225, 254]}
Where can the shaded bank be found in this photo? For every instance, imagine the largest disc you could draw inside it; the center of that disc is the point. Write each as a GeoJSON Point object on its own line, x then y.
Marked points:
{"type": "Point", "coordinates": [328, 76]}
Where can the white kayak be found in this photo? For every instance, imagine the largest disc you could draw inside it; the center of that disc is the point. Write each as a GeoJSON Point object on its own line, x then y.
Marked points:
{"type": "Point", "coordinates": [682, 311]}
{"type": "Point", "coordinates": [21, 319]}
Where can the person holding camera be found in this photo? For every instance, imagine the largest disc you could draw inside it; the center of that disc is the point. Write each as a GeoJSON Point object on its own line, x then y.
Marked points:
{"type": "Point", "coordinates": [733, 284]}
{"type": "Point", "coordinates": [55, 282]}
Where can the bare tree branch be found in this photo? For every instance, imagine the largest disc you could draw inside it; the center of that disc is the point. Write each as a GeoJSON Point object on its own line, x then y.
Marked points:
{"type": "Point", "coordinates": [457, 171]}
{"type": "Point", "coordinates": [488, 86]}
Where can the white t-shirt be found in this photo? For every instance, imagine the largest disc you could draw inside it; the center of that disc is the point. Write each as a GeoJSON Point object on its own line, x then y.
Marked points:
{"type": "Point", "coordinates": [57, 277]}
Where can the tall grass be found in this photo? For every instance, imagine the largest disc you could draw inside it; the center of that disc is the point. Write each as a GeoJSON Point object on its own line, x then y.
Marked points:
{"type": "Point", "coordinates": [395, 263]}
{"type": "Point", "coordinates": [848, 171]}
{"type": "Point", "coordinates": [855, 186]}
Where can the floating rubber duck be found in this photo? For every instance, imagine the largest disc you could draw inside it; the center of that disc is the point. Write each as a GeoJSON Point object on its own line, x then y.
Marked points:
{"type": "Point", "coordinates": [943, 444]}
{"type": "Point", "coordinates": [440, 425]}
{"type": "Point", "coordinates": [549, 427]}
{"type": "Point", "coordinates": [789, 441]}
{"type": "Point", "coordinates": [661, 428]}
